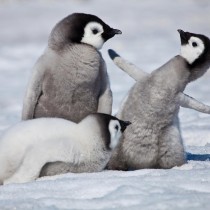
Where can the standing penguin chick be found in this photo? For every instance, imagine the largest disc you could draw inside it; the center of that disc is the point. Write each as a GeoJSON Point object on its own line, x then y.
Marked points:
{"type": "Point", "coordinates": [70, 79]}
{"type": "Point", "coordinates": [28, 146]}
{"type": "Point", "coordinates": [154, 138]}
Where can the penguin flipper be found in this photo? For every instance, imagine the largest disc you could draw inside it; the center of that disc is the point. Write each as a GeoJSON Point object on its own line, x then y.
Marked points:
{"type": "Point", "coordinates": [191, 103]}
{"type": "Point", "coordinates": [105, 98]}
{"type": "Point", "coordinates": [34, 91]}
{"type": "Point", "coordinates": [132, 70]}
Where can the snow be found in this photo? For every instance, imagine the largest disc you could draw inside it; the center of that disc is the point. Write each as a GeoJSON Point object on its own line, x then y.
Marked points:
{"type": "Point", "coordinates": [149, 39]}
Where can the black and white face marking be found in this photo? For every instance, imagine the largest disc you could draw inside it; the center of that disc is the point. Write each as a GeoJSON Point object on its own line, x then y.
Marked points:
{"type": "Point", "coordinates": [115, 133]}
{"type": "Point", "coordinates": [193, 50]}
{"type": "Point", "coordinates": [81, 28]}
{"type": "Point", "coordinates": [111, 128]}
{"type": "Point", "coordinates": [116, 128]}
{"type": "Point", "coordinates": [193, 46]}
{"type": "Point", "coordinates": [93, 35]}
{"type": "Point", "coordinates": [96, 34]}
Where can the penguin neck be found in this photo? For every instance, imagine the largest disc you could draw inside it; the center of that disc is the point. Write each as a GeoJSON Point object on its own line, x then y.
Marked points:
{"type": "Point", "coordinates": [175, 73]}
{"type": "Point", "coordinates": [197, 71]}
{"type": "Point", "coordinates": [182, 71]}
{"type": "Point", "coordinates": [198, 67]}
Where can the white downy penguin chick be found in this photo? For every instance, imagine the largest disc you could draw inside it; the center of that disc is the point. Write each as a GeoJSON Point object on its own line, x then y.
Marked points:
{"type": "Point", "coordinates": [70, 79]}
{"type": "Point", "coordinates": [152, 105]}
{"type": "Point", "coordinates": [26, 147]}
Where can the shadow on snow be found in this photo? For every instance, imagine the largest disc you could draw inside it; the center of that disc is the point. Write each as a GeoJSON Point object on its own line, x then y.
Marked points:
{"type": "Point", "coordinates": [198, 157]}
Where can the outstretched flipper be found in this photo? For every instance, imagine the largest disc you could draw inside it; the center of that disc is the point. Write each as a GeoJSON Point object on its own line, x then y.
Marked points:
{"type": "Point", "coordinates": [105, 98]}
{"type": "Point", "coordinates": [138, 75]}
{"type": "Point", "coordinates": [132, 70]}
{"type": "Point", "coordinates": [191, 103]}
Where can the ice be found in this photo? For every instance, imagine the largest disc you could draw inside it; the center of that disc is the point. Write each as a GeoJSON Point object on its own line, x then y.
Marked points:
{"type": "Point", "coordinates": [149, 39]}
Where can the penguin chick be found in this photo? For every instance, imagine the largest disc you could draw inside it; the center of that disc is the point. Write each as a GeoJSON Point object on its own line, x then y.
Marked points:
{"type": "Point", "coordinates": [70, 79]}
{"type": "Point", "coordinates": [26, 147]}
{"type": "Point", "coordinates": [154, 138]}
{"type": "Point", "coordinates": [138, 74]}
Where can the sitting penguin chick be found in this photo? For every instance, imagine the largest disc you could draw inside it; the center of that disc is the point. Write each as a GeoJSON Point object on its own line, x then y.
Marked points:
{"type": "Point", "coordinates": [154, 138]}
{"type": "Point", "coordinates": [26, 147]}
{"type": "Point", "coordinates": [70, 79]}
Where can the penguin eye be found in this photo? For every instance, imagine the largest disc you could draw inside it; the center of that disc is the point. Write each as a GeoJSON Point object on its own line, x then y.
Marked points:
{"type": "Point", "coordinates": [194, 44]}
{"type": "Point", "coordinates": [116, 127]}
{"type": "Point", "coordinates": [95, 31]}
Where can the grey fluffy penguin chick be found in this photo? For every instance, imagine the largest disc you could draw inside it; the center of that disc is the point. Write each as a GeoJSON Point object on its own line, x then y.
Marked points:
{"type": "Point", "coordinates": [152, 105]}
{"type": "Point", "coordinates": [86, 146]}
{"type": "Point", "coordinates": [70, 79]}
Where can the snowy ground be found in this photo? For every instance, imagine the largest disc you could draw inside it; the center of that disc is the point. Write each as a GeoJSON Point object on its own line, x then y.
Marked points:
{"type": "Point", "coordinates": [149, 39]}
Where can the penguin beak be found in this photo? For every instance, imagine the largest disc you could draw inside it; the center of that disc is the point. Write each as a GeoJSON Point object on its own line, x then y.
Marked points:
{"type": "Point", "coordinates": [116, 31]}
{"type": "Point", "coordinates": [109, 34]}
{"type": "Point", "coordinates": [124, 125]}
{"type": "Point", "coordinates": [184, 36]}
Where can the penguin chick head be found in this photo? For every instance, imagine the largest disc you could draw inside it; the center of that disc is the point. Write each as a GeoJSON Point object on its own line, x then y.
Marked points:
{"type": "Point", "coordinates": [195, 49]}
{"type": "Point", "coordinates": [111, 129]}
{"type": "Point", "coordinates": [116, 128]}
{"type": "Point", "coordinates": [82, 28]}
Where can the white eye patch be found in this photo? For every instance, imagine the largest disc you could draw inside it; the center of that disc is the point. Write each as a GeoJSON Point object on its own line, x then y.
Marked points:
{"type": "Point", "coordinates": [115, 133]}
{"type": "Point", "coordinates": [93, 35]}
{"type": "Point", "coordinates": [192, 50]}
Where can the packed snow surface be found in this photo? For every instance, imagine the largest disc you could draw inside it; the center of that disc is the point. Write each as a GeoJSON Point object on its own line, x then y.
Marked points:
{"type": "Point", "coordinates": [149, 39]}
